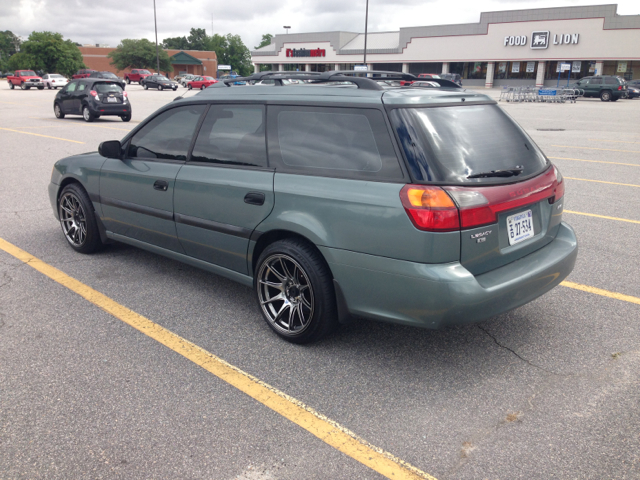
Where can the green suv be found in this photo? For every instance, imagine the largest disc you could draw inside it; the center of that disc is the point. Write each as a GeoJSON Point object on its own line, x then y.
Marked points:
{"type": "Point", "coordinates": [608, 88]}
{"type": "Point", "coordinates": [336, 198]}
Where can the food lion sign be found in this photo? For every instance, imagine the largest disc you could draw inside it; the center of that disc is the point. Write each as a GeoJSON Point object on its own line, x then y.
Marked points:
{"type": "Point", "coordinates": [540, 40]}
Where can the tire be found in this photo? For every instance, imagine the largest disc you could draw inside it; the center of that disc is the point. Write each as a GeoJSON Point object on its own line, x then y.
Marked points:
{"type": "Point", "coordinates": [87, 115]}
{"type": "Point", "coordinates": [125, 118]}
{"type": "Point", "coordinates": [189, 87]}
{"type": "Point", "coordinates": [202, 87]}
{"type": "Point", "coordinates": [175, 88]}
{"type": "Point", "coordinates": [78, 220]}
{"type": "Point", "coordinates": [145, 87]}
{"type": "Point", "coordinates": [295, 271]}
{"type": "Point", "coordinates": [11, 86]}
{"type": "Point", "coordinates": [58, 111]}
{"type": "Point", "coordinates": [128, 81]}
{"type": "Point", "coordinates": [23, 86]}
{"type": "Point", "coordinates": [41, 88]}
{"type": "Point", "coordinates": [49, 86]}
{"type": "Point", "coordinates": [160, 87]}
{"type": "Point", "coordinates": [605, 95]}
{"type": "Point", "coordinates": [613, 99]}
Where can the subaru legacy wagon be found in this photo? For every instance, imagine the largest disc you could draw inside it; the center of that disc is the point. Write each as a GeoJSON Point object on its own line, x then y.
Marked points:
{"type": "Point", "coordinates": [334, 199]}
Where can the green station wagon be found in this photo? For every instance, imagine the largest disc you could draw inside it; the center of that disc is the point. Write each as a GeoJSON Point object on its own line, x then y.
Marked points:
{"type": "Point", "coordinates": [341, 197]}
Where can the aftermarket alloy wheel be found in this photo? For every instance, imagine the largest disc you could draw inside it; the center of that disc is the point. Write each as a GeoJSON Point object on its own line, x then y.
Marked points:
{"type": "Point", "coordinates": [58, 111]}
{"type": "Point", "coordinates": [87, 115]}
{"type": "Point", "coordinates": [295, 291]}
{"type": "Point", "coordinates": [78, 220]}
{"type": "Point", "coordinates": [605, 96]}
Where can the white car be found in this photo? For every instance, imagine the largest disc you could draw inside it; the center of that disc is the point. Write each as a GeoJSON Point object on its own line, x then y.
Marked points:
{"type": "Point", "coordinates": [54, 80]}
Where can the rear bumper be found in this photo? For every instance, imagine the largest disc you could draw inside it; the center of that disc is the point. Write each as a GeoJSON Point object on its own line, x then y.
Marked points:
{"type": "Point", "coordinates": [437, 295]}
{"type": "Point", "coordinates": [113, 109]}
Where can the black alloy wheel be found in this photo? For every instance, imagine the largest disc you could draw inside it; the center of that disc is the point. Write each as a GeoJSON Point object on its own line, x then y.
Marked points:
{"type": "Point", "coordinates": [294, 289]}
{"type": "Point", "coordinates": [78, 220]}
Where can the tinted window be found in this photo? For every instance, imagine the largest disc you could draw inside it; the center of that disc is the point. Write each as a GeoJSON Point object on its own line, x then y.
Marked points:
{"type": "Point", "coordinates": [107, 87]}
{"type": "Point", "coordinates": [595, 81]}
{"type": "Point", "coordinates": [232, 135]}
{"type": "Point", "coordinates": [447, 144]}
{"type": "Point", "coordinates": [81, 87]}
{"type": "Point", "coordinates": [610, 80]}
{"type": "Point", "coordinates": [27, 73]}
{"type": "Point", "coordinates": [71, 87]}
{"type": "Point", "coordinates": [168, 135]}
{"type": "Point", "coordinates": [335, 141]}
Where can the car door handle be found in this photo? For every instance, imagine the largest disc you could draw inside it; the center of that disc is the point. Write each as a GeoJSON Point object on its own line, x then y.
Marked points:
{"type": "Point", "coordinates": [161, 185]}
{"type": "Point", "coordinates": [254, 198]}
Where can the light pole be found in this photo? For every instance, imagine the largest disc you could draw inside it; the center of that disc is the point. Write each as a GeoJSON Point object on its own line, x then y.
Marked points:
{"type": "Point", "coordinates": [366, 22]}
{"type": "Point", "coordinates": [287, 27]}
{"type": "Point", "coordinates": [156, 24]}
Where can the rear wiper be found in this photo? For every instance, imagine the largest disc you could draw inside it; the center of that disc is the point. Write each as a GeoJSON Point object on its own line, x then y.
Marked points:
{"type": "Point", "coordinates": [511, 172]}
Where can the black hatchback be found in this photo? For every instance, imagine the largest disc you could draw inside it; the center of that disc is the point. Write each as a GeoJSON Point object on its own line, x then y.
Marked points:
{"type": "Point", "coordinates": [92, 98]}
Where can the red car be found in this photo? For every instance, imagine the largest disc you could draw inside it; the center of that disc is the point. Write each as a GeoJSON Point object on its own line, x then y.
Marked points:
{"type": "Point", "coordinates": [136, 75]}
{"type": "Point", "coordinates": [201, 82]}
{"type": "Point", "coordinates": [421, 75]}
{"type": "Point", "coordinates": [84, 73]}
{"type": "Point", "coordinates": [25, 79]}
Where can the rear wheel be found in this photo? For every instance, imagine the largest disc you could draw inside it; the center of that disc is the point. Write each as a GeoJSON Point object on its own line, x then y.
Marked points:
{"type": "Point", "coordinates": [78, 220]}
{"type": "Point", "coordinates": [128, 81]}
{"type": "Point", "coordinates": [11, 86]}
{"type": "Point", "coordinates": [202, 87]}
{"type": "Point", "coordinates": [605, 96]}
{"type": "Point", "coordinates": [295, 291]}
{"type": "Point", "coordinates": [58, 111]}
{"type": "Point", "coordinates": [49, 86]}
{"type": "Point", "coordinates": [160, 87]}
{"type": "Point", "coordinates": [87, 115]}
{"type": "Point", "coordinates": [126, 118]}
{"type": "Point", "coordinates": [189, 87]}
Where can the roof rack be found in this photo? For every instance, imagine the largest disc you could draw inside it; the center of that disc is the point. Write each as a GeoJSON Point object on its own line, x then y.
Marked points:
{"type": "Point", "coordinates": [364, 79]}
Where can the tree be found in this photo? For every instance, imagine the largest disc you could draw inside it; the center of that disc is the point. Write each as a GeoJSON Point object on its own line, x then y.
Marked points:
{"type": "Point", "coordinates": [139, 54]}
{"type": "Point", "coordinates": [197, 39]}
{"type": "Point", "coordinates": [266, 40]}
{"type": "Point", "coordinates": [219, 44]}
{"type": "Point", "coordinates": [48, 52]}
{"type": "Point", "coordinates": [239, 55]}
{"type": "Point", "coordinates": [9, 45]}
{"type": "Point", "coordinates": [176, 43]}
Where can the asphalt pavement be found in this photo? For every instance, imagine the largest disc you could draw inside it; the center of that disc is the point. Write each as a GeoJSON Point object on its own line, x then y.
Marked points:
{"type": "Point", "coordinates": [549, 390]}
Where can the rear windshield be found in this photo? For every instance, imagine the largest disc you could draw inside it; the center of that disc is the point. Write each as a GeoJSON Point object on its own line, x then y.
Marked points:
{"type": "Point", "coordinates": [447, 144]}
{"type": "Point", "coordinates": [107, 88]}
{"type": "Point", "coordinates": [109, 75]}
{"type": "Point", "coordinates": [27, 73]}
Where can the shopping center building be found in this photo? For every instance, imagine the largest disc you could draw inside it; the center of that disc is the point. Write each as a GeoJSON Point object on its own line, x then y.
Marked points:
{"type": "Point", "coordinates": [515, 47]}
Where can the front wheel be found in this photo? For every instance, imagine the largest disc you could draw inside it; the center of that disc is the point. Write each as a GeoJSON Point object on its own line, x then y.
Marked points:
{"type": "Point", "coordinates": [605, 96]}
{"type": "Point", "coordinates": [78, 220]}
{"type": "Point", "coordinates": [294, 289]}
{"type": "Point", "coordinates": [87, 115]}
{"type": "Point", "coordinates": [41, 88]}
{"type": "Point", "coordinates": [189, 87]}
{"type": "Point", "coordinates": [11, 86]}
{"type": "Point", "coordinates": [160, 87]}
{"type": "Point", "coordinates": [145, 87]}
{"type": "Point", "coordinates": [58, 111]}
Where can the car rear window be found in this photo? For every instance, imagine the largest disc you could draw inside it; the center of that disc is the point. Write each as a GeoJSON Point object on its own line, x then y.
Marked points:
{"type": "Point", "coordinates": [27, 73]}
{"type": "Point", "coordinates": [107, 87]}
{"type": "Point", "coordinates": [447, 144]}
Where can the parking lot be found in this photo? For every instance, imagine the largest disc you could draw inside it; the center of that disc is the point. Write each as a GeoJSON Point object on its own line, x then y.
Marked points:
{"type": "Point", "coordinates": [549, 390]}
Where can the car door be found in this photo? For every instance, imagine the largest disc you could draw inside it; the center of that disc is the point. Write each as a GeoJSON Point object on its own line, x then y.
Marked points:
{"type": "Point", "coordinates": [66, 97]}
{"type": "Point", "coordinates": [225, 189]}
{"type": "Point", "coordinates": [78, 96]}
{"type": "Point", "coordinates": [593, 87]}
{"type": "Point", "coordinates": [136, 193]}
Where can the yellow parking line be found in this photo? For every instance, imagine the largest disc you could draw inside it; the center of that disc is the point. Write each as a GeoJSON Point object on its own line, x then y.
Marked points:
{"type": "Point", "coordinates": [602, 181]}
{"type": "Point", "coordinates": [595, 161]}
{"type": "Point", "coordinates": [315, 423]}
{"type": "Point", "coordinates": [616, 141]}
{"type": "Point", "coordinates": [602, 216]}
{"type": "Point", "coordinates": [599, 291]}
{"type": "Point", "coordinates": [39, 135]}
{"type": "Point", "coordinates": [595, 148]}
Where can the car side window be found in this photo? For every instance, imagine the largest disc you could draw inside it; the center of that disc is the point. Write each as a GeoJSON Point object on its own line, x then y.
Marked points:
{"type": "Point", "coordinates": [71, 87]}
{"type": "Point", "coordinates": [595, 81]}
{"type": "Point", "coordinates": [232, 135]}
{"type": "Point", "coordinates": [168, 135]}
{"type": "Point", "coordinates": [81, 87]}
{"type": "Point", "coordinates": [610, 81]}
{"type": "Point", "coordinates": [345, 142]}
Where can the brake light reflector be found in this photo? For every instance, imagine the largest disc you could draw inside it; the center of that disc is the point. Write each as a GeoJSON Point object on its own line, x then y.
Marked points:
{"type": "Point", "coordinates": [94, 93]}
{"type": "Point", "coordinates": [430, 208]}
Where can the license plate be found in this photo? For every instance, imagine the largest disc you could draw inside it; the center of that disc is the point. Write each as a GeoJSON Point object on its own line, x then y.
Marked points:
{"type": "Point", "coordinates": [520, 227]}
{"type": "Point", "coordinates": [112, 99]}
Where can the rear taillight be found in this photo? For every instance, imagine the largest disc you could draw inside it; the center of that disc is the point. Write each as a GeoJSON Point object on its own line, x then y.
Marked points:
{"type": "Point", "coordinates": [94, 93]}
{"type": "Point", "coordinates": [620, 87]}
{"type": "Point", "coordinates": [125, 94]}
{"type": "Point", "coordinates": [430, 208]}
{"type": "Point", "coordinates": [433, 209]}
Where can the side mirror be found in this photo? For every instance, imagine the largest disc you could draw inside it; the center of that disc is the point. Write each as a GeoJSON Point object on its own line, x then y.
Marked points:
{"type": "Point", "coordinates": [111, 149]}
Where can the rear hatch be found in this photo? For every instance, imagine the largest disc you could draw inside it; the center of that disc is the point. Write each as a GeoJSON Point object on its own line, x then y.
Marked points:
{"type": "Point", "coordinates": [109, 93]}
{"type": "Point", "coordinates": [475, 170]}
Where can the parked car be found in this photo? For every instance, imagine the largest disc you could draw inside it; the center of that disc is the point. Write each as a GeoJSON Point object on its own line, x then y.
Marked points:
{"type": "Point", "coordinates": [158, 81]}
{"type": "Point", "coordinates": [633, 91]}
{"type": "Point", "coordinates": [452, 77]}
{"type": "Point", "coordinates": [606, 87]}
{"type": "Point", "coordinates": [109, 76]}
{"type": "Point", "coordinates": [634, 83]}
{"type": "Point", "coordinates": [136, 75]}
{"type": "Point", "coordinates": [92, 98]}
{"type": "Point", "coordinates": [429, 208]}
{"type": "Point", "coordinates": [54, 80]}
{"type": "Point", "coordinates": [186, 78]}
{"type": "Point", "coordinates": [83, 73]}
{"type": "Point", "coordinates": [201, 82]}
{"type": "Point", "coordinates": [25, 79]}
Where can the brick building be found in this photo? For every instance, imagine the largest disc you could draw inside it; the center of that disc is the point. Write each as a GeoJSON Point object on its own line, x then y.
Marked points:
{"type": "Point", "coordinates": [187, 61]}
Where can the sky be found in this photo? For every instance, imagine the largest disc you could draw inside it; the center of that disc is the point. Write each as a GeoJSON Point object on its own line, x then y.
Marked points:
{"type": "Point", "coordinates": [108, 22]}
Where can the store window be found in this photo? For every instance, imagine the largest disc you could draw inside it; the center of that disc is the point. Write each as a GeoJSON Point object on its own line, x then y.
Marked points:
{"type": "Point", "coordinates": [469, 70]}
{"type": "Point", "coordinates": [388, 67]}
{"type": "Point", "coordinates": [418, 68]}
{"type": "Point", "coordinates": [578, 70]}
{"type": "Point", "coordinates": [516, 70]}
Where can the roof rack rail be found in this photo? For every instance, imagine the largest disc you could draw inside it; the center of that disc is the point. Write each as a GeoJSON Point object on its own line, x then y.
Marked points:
{"type": "Point", "coordinates": [364, 79]}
